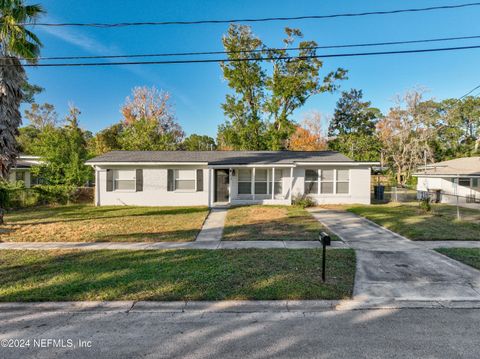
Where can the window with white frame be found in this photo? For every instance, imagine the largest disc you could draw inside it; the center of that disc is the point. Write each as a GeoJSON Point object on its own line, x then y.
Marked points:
{"type": "Point", "coordinates": [124, 180]}
{"type": "Point", "coordinates": [327, 180]}
{"type": "Point", "coordinates": [278, 182]}
{"type": "Point", "coordinates": [464, 182]}
{"type": "Point", "coordinates": [244, 181]}
{"type": "Point", "coordinates": [311, 181]}
{"type": "Point", "coordinates": [261, 181]}
{"type": "Point", "coordinates": [343, 181]}
{"type": "Point", "coordinates": [185, 180]}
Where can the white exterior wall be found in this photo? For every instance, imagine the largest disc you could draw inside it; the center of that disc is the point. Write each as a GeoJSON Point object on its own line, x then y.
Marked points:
{"type": "Point", "coordinates": [448, 188]}
{"type": "Point", "coordinates": [359, 187]}
{"type": "Point", "coordinates": [154, 189]}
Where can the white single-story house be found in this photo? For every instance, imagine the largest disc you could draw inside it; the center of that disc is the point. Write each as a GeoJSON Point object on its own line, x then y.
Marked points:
{"type": "Point", "coordinates": [449, 181]}
{"type": "Point", "coordinates": [22, 170]}
{"type": "Point", "coordinates": [211, 178]}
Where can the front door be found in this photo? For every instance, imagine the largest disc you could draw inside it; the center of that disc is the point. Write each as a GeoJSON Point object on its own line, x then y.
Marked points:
{"type": "Point", "coordinates": [221, 185]}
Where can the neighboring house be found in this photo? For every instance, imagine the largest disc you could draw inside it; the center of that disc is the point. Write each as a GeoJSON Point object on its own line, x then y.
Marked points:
{"type": "Point", "coordinates": [451, 180]}
{"type": "Point", "coordinates": [181, 178]}
{"type": "Point", "coordinates": [22, 170]}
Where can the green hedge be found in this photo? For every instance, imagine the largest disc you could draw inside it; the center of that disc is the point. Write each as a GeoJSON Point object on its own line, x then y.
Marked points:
{"type": "Point", "coordinates": [17, 196]}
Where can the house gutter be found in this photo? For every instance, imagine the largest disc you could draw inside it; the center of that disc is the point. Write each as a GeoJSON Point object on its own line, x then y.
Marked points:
{"type": "Point", "coordinates": [146, 163]}
{"type": "Point", "coordinates": [353, 163]}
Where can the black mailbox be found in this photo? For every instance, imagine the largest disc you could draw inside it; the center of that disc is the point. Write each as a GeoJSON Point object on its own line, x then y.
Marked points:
{"type": "Point", "coordinates": [325, 239]}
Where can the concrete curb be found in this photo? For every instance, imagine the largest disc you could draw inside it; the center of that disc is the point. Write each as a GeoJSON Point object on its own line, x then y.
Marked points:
{"type": "Point", "coordinates": [268, 306]}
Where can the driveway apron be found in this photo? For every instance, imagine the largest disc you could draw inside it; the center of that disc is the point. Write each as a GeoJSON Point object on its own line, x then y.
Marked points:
{"type": "Point", "coordinates": [390, 266]}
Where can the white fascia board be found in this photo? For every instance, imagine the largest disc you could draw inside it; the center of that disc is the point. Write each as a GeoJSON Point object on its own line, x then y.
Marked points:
{"type": "Point", "coordinates": [253, 166]}
{"type": "Point", "coordinates": [353, 163]}
{"type": "Point", "coordinates": [147, 163]}
{"type": "Point", "coordinates": [444, 175]}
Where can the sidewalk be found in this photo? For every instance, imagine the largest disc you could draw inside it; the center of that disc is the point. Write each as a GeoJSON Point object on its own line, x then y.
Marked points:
{"type": "Point", "coordinates": [167, 245]}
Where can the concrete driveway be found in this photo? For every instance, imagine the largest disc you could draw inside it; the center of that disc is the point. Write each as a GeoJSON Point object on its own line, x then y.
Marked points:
{"type": "Point", "coordinates": [392, 267]}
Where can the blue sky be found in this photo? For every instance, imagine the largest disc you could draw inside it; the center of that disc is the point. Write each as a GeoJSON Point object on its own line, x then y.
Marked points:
{"type": "Point", "coordinates": [197, 90]}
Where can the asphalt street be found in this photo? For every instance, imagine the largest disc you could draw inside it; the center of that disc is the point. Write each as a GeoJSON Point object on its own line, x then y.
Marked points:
{"type": "Point", "coordinates": [323, 333]}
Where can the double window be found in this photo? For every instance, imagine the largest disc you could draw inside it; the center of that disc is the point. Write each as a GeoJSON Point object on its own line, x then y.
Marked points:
{"type": "Point", "coordinates": [185, 180]}
{"type": "Point", "coordinates": [124, 180]}
{"type": "Point", "coordinates": [327, 181]}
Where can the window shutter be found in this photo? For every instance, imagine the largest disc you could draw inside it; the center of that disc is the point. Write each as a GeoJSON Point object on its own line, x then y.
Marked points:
{"type": "Point", "coordinates": [170, 181]}
{"type": "Point", "coordinates": [139, 180]}
{"type": "Point", "coordinates": [109, 180]}
{"type": "Point", "coordinates": [199, 180]}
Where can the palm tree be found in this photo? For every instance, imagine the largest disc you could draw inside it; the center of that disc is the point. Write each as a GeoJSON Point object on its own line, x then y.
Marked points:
{"type": "Point", "coordinates": [16, 43]}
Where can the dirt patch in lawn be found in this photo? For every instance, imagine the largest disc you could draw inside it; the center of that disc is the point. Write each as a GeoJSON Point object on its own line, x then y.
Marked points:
{"type": "Point", "coordinates": [103, 224]}
{"type": "Point", "coordinates": [270, 223]}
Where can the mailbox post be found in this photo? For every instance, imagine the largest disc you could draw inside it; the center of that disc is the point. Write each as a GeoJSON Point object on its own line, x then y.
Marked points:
{"type": "Point", "coordinates": [325, 239]}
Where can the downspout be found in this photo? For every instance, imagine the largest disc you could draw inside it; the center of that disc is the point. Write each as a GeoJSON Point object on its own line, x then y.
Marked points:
{"type": "Point", "coordinates": [97, 186]}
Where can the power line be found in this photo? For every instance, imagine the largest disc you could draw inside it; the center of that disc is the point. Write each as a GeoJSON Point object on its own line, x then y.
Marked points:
{"type": "Point", "coordinates": [260, 50]}
{"type": "Point", "coordinates": [248, 20]}
{"type": "Point", "coordinates": [469, 92]}
{"type": "Point", "coordinates": [168, 62]}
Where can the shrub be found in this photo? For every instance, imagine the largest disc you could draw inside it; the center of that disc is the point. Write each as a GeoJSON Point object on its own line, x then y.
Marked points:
{"type": "Point", "coordinates": [425, 205]}
{"type": "Point", "coordinates": [15, 195]}
{"type": "Point", "coordinates": [55, 194]}
{"type": "Point", "coordinates": [303, 201]}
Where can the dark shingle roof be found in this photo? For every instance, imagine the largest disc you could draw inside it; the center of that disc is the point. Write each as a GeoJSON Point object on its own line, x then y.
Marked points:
{"type": "Point", "coordinates": [222, 157]}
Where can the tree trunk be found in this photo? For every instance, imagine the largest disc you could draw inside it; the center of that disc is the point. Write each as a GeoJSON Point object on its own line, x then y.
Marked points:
{"type": "Point", "coordinates": [399, 176]}
{"type": "Point", "coordinates": [12, 76]}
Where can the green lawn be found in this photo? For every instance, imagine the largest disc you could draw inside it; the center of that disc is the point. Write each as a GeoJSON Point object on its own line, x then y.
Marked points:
{"type": "Point", "coordinates": [263, 223]}
{"type": "Point", "coordinates": [470, 256]}
{"type": "Point", "coordinates": [408, 220]}
{"type": "Point", "coordinates": [85, 223]}
{"type": "Point", "coordinates": [174, 275]}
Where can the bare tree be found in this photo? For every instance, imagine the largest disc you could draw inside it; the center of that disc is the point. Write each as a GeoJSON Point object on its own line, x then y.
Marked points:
{"type": "Point", "coordinates": [41, 116]}
{"type": "Point", "coordinates": [149, 121]}
{"type": "Point", "coordinates": [148, 103]}
{"type": "Point", "coordinates": [405, 134]}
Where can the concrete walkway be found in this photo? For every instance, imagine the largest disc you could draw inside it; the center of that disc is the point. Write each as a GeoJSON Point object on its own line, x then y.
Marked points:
{"type": "Point", "coordinates": [391, 266]}
{"type": "Point", "coordinates": [212, 229]}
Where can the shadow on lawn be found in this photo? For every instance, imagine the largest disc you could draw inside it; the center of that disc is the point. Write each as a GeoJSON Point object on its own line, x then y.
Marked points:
{"type": "Point", "coordinates": [170, 275]}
